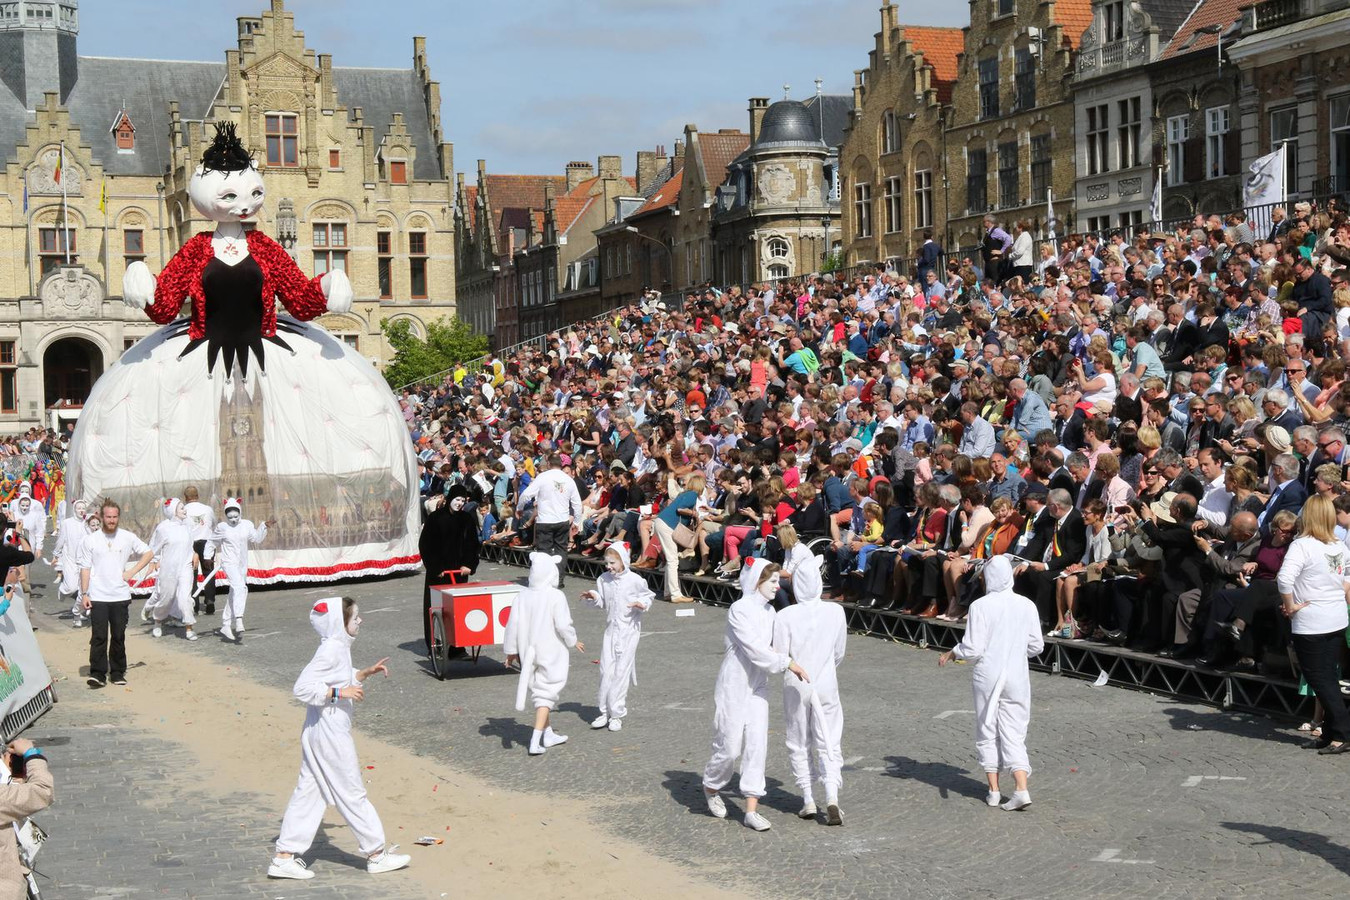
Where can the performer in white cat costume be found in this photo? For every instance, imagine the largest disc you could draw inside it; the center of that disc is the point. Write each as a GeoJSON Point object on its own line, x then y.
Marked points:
{"type": "Point", "coordinates": [330, 773]}
{"type": "Point", "coordinates": [70, 531]}
{"type": "Point", "coordinates": [813, 633]}
{"type": "Point", "coordinates": [72, 539]}
{"type": "Point", "coordinates": [172, 543]}
{"type": "Point", "coordinates": [232, 538]}
{"type": "Point", "coordinates": [1003, 631]}
{"type": "Point", "coordinates": [741, 723]}
{"type": "Point", "coordinates": [624, 596]}
{"type": "Point", "coordinates": [537, 636]}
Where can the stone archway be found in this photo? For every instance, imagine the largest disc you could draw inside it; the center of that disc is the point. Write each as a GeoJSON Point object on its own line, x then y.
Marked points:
{"type": "Point", "coordinates": [70, 366]}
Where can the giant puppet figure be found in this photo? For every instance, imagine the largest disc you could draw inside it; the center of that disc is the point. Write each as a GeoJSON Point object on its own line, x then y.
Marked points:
{"type": "Point", "coordinates": [245, 403]}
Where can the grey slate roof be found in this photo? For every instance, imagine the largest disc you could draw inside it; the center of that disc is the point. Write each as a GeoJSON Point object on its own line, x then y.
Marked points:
{"type": "Point", "coordinates": [836, 108]}
{"type": "Point", "coordinates": [1167, 15]}
{"type": "Point", "coordinates": [146, 87]}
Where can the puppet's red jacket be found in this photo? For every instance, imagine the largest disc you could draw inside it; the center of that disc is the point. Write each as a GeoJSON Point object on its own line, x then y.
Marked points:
{"type": "Point", "coordinates": [182, 277]}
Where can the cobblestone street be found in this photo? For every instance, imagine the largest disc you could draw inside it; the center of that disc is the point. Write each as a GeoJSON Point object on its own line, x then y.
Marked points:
{"type": "Point", "coordinates": [1135, 795]}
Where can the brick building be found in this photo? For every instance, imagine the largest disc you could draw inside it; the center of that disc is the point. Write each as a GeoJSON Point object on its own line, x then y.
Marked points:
{"type": "Point", "coordinates": [891, 158]}
{"type": "Point", "coordinates": [637, 246]}
{"type": "Point", "coordinates": [706, 159]}
{"type": "Point", "coordinates": [357, 173]}
{"type": "Point", "coordinates": [1010, 139]}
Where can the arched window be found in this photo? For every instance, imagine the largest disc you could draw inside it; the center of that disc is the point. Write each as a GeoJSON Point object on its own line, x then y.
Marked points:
{"type": "Point", "coordinates": [778, 271]}
{"type": "Point", "coordinates": [779, 249]}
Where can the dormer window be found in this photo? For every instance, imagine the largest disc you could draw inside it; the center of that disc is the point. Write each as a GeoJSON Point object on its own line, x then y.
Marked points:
{"type": "Point", "coordinates": [124, 133]}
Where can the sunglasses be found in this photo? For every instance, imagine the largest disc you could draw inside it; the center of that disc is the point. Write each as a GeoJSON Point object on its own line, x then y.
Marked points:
{"type": "Point", "coordinates": [1327, 444]}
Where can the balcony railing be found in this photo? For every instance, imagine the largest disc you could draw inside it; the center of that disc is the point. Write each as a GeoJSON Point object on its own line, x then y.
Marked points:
{"type": "Point", "coordinates": [1112, 56]}
{"type": "Point", "coordinates": [1274, 13]}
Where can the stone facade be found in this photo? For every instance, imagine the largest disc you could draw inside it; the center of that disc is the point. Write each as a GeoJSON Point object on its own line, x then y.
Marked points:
{"type": "Point", "coordinates": [891, 159]}
{"type": "Point", "coordinates": [357, 176]}
{"type": "Point", "coordinates": [1114, 103]}
{"type": "Point", "coordinates": [1295, 71]}
{"type": "Point", "coordinates": [772, 213]}
{"type": "Point", "coordinates": [1010, 139]}
{"type": "Point", "coordinates": [636, 247]}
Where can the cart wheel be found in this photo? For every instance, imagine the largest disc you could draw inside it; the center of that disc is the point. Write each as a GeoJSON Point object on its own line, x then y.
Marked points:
{"type": "Point", "coordinates": [439, 656]}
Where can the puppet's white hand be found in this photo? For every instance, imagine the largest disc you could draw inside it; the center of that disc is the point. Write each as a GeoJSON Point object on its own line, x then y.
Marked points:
{"type": "Point", "coordinates": [138, 286]}
{"type": "Point", "coordinates": [338, 289]}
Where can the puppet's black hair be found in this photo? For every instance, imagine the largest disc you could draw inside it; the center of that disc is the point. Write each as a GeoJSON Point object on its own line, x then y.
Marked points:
{"type": "Point", "coordinates": [226, 153]}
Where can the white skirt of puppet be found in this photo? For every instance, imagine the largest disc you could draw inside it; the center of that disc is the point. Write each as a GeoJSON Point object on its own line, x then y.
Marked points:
{"type": "Point", "coordinates": [313, 439]}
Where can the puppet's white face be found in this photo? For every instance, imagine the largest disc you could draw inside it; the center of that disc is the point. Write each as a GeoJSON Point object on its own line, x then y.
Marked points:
{"type": "Point", "coordinates": [769, 586]}
{"type": "Point", "coordinates": [226, 196]}
{"type": "Point", "coordinates": [232, 516]}
{"type": "Point", "coordinates": [612, 564]}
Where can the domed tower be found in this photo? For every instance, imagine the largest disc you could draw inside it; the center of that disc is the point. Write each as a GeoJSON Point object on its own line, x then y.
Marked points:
{"type": "Point", "coordinates": [37, 48]}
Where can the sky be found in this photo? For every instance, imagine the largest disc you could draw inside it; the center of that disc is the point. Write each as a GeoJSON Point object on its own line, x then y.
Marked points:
{"type": "Point", "coordinates": [532, 84]}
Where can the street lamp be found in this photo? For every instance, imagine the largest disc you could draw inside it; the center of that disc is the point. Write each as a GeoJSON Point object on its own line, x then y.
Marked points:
{"type": "Point", "coordinates": [825, 251]}
{"type": "Point", "coordinates": [670, 253]}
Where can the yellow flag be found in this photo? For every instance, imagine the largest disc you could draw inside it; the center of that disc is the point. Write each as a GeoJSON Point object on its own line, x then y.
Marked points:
{"type": "Point", "coordinates": [103, 197]}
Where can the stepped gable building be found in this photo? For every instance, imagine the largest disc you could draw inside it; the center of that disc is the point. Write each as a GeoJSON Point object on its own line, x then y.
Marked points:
{"type": "Point", "coordinates": [779, 201]}
{"type": "Point", "coordinates": [1010, 139]}
{"type": "Point", "coordinates": [707, 155]}
{"type": "Point", "coordinates": [891, 159]}
{"type": "Point", "coordinates": [636, 247]}
{"type": "Point", "coordinates": [358, 177]}
{"type": "Point", "coordinates": [1114, 110]}
{"type": "Point", "coordinates": [493, 217]}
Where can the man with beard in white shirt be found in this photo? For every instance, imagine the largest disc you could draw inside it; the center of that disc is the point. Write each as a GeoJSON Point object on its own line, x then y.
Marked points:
{"type": "Point", "coordinates": [105, 593]}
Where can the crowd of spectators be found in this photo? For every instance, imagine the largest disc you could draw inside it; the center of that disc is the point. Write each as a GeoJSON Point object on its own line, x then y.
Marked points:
{"type": "Point", "coordinates": [1139, 421]}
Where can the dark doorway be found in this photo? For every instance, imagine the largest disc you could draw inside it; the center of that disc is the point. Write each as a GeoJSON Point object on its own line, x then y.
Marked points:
{"type": "Point", "coordinates": [70, 367]}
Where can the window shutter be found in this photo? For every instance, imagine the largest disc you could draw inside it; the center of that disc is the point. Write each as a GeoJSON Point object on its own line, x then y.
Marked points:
{"type": "Point", "coordinates": [1195, 159]}
{"type": "Point", "coordinates": [1232, 152]}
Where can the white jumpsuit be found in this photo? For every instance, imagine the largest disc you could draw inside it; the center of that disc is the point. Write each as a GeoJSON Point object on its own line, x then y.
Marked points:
{"type": "Point", "coordinates": [1003, 630]}
{"type": "Point", "coordinates": [330, 774]}
{"type": "Point", "coordinates": [232, 549]}
{"type": "Point", "coordinates": [813, 633]}
{"type": "Point", "coordinates": [34, 526]}
{"type": "Point", "coordinates": [172, 543]}
{"type": "Point", "coordinates": [741, 722]}
{"type": "Point", "coordinates": [540, 632]}
{"type": "Point", "coordinates": [67, 552]}
{"type": "Point", "coordinates": [623, 628]}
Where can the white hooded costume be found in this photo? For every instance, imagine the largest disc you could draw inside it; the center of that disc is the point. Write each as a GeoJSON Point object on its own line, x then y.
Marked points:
{"type": "Point", "coordinates": [34, 521]}
{"type": "Point", "coordinates": [540, 632]}
{"type": "Point", "coordinates": [1003, 630]}
{"type": "Point", "coordinates": [330, 773]}
{"type": "Point", "coordinates": [741, 722]}
{"type": "Point", "coordinates": [12, 509]}
{"type": "Point", "coordinates": [172, 544]}
{"type": "Point", "coordinates": [231, 548]}
{"type": "Point", "coordinates": [623, 628]}
{"type": "Point", "coordinates": [69, 537]}
{"type": "Point", "coordinates": [813, 633]}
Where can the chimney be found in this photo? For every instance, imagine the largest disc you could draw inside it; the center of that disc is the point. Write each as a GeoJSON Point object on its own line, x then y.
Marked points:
{"type": "Point", "coordinates": [679, 153]}
{"type": "Point", "coordinates": [758, 105]}
{"type": "Point", "coordinates": [646, 168]}
{"type": "Point", "coordinates": [610, 167]}
{"type": "Point", "coordinates": [577, 172]}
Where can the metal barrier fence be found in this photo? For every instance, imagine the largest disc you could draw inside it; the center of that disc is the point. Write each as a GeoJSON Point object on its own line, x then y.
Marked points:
{"type": "Point", "coordinates": [1078, 659]}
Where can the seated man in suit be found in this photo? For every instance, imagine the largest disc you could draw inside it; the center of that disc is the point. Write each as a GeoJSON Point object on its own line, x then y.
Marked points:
{"type": "Point", "coordinates": [1288, 493]}
{"type": "Point", "coordinates": [1066, 545]}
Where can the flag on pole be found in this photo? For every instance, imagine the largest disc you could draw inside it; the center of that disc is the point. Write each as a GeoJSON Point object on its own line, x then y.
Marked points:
{"type": "Point", "coordinates": [60, 164]}
{"type": "Point", "coordinates": [1264, 188]}
{"type": "Point", "coordinates": [103, 197]}
{"type": "Point", "coordinates": [25, 196]}
{"type": "Point", "coordinates": [1155, 208]}
{"type": "Point", "coordinates": [1050, 217]}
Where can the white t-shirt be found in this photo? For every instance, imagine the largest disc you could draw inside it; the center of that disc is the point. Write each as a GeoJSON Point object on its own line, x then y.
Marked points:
{"type": "Point", "coordinates": [106, 557]}
{"type": "Point", "coordinates": [1314, 573]}
{"type": "Point", "coordinates": [201, 520]}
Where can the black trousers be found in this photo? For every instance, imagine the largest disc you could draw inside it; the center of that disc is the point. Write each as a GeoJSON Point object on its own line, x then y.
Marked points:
{"type": "Point", "coordinates": [1245, 604]}
{"type": "Point", "coordinates": [552, 538]}
{"type": "Point", "coordinates": [1319, 655]}
{"type": "Point", "coordinates": [207, 597]}
{"type": "Point", "coordinates": [109, 621]}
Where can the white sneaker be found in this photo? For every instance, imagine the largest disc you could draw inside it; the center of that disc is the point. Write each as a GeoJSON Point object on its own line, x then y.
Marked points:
{"type": "Point", "coordinates": [145, 613]}
{"type": "Point", "coordinates": [189, 635]}
{"type": "Point", "coordinates": [239, 629]}
{"type": "Point", "coordinates": [78, 623]}
{"type": "Point", "coordinates": [552, 739]}
{"type": "Point", "coordinates": [834, 815]}
{"type": "Point", "coordinates": [289, 868]}
{"type": "Point", "coordinates": [993, 798]}
{"type": "Point", "coordinates": [157, 631]}
{"type": "Point", "coordinates": [716, 805]}
{"type": "Point", "coordinates": [808, 810]}
{"type": "Point", "coordinates": [387, 861]}
{"type": "Point", "coordinates": [616, 724]}
{"type": "Point", "coordinates": [757, 822]}
{"type": "Point", "coordinates": [1019, 800]}
{"type": "Point", "coordinates": [600, 722]}
{"type": "Point", "coordinates": [226, 633]}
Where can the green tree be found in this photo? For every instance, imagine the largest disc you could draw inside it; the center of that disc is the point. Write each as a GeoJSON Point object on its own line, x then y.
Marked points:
{"type": "Point", "coordinates": [446, 345]}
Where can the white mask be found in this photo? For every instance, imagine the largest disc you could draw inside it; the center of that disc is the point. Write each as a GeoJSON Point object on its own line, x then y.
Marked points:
{"type": "Point", "coordinates": [354, 624]}
{"type": "Point", "coordinates": [233, 516]}
{"type": "Point", "coordinates": [457, 504]}
{"type": "Point", "coordinates": [226, 196]}
{"type": "Point", "coordinates": [769, 588]}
